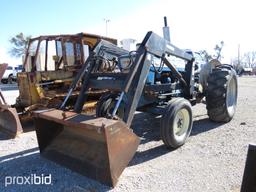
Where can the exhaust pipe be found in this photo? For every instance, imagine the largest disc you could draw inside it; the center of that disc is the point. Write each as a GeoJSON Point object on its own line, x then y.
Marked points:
{"type": "Point", "coordinates": [166, 30]}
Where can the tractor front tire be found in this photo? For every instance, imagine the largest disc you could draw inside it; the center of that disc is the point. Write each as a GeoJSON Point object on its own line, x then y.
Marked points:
{"type": "Point", "coordinates": [176, 123]}
{"type": "Point", "coordinates": [221, 94]}
{"type": "Point", "coordinates": [106, 105]}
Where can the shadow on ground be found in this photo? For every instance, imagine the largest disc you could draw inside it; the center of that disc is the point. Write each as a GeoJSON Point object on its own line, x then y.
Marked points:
{"type": "Point", "coordinates": [147, 126]}
{"type": "Point", "coordinates": [203, 125]}
{"type": "Point", "coordinates": [29, 163]}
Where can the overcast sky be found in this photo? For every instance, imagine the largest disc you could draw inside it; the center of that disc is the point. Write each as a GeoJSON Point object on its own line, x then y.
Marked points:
{"type": "Point", "coordinates": [197, 24]}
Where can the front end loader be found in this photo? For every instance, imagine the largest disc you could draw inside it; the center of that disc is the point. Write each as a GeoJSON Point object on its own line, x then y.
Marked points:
{"type": "Point", "coordinates": [50, 64]}
{"type": "Point", "coordinates": [100, 146]}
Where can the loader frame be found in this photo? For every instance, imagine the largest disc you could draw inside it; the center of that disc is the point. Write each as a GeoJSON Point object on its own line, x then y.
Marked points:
{"type": "Point", "coordinates": [133, 84]}
{"type": "Point", "coordinates": [102, 147]}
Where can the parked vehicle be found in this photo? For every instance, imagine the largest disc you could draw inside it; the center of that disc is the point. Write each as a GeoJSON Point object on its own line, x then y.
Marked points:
{"type": "Point", "coordinates": [18, 68]}
{"type": "Point", "coordinates": [9, 75]}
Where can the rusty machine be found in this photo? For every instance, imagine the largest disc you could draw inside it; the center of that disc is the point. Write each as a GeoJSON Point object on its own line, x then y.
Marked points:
{"type": "Point", "coordinates": [3, 67]}
{"type": "Point", "coordinates": [50, 64]}
{"type": "Point", "coordinates": [100, 146]}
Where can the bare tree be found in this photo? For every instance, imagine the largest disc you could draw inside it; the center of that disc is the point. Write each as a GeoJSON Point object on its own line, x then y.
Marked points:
{"type": "Point", "coordinates": [218, 49]}
{"type": "Point", "coordinates": [250, 59]}
{"type": "Point", "coordinates": [217, 55]}
{"type": "Point", "coordinates": [237, 64]}
{"type": "Point", "coordinates": [19, 44]}
{"type": "Point", "coordinates": [206, 56]}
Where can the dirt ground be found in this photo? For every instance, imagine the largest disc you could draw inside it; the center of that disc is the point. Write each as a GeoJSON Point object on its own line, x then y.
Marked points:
{"type": "Point", "coordinates": [213, 158]}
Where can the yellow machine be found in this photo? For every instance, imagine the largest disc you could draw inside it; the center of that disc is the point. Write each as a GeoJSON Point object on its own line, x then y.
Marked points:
{"type": "Point", "coordinates": [50, 64]}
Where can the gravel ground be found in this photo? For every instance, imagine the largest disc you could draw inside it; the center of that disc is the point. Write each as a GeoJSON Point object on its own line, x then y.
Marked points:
{"type": "Point", "coordinates": [10, 92]}
{"type": "Point", "coordinates": [213, 158]}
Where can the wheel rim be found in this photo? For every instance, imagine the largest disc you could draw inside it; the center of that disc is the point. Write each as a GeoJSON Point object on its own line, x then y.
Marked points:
{"type": "Point", "coordinates": [181, 123]}
{"type": "Point", "coordinates": [231, 95]}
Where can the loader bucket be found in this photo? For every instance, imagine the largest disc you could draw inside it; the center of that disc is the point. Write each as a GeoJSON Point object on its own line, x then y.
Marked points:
{"type": "Point", "coordinates": [9, 121]}
{"type": "Point", "coordinates": [99, 148]}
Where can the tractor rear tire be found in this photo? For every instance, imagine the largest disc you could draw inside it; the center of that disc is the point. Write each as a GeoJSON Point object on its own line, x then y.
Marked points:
{"type": "Point", "coordinates": [176, 123]}
{"type": "Point", "coordinates": [221, 94]}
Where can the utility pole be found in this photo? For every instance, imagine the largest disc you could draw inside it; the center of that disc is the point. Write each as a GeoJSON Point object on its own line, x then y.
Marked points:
{"type": "Point", "coordinates": [106, 23]}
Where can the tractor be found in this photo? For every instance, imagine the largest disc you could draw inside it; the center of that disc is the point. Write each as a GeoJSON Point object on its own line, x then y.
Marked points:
{"type": "Point", "coordinates": [101, 145]}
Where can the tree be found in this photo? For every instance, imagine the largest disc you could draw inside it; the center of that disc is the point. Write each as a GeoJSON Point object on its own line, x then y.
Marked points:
{"type": "Point", "coordinates": [237, 64]}
{"type": "Point", "coordinates": [206, 56]}
{"type": "Point", "coordinates": [218, 49]}
{"type": "Point", "coordinates": [217, 55]}
{"type": "Point", "coordinates": [250, 59]}
{"type": "Point", "coordinates": [20, 44]}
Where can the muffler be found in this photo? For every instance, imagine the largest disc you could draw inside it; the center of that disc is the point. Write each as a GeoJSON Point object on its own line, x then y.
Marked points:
{"type": "Point", "coordinates": [99, 148]}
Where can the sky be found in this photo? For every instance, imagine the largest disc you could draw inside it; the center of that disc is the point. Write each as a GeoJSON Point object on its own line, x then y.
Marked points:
{"type": "Point", "coordinates": [196, 25]}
